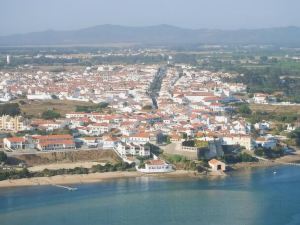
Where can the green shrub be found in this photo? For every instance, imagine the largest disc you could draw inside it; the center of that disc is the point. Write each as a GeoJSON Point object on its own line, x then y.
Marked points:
{"type": "Point", "coordinates": [50, 114]}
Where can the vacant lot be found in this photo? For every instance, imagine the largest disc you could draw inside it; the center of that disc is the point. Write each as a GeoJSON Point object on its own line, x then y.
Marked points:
{"type": "Point", "coordinates": [277, 109]}
{"type": "Point", "coordinates": [37, 107]}
{"type": "Point", "coordinates": [100, 156]}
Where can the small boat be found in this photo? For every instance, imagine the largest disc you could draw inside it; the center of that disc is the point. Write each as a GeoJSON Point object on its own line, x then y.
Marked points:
{"type": "Point", "coordinates": [72, 189]}
{"type": "Point", "coordinates": [274, 172]}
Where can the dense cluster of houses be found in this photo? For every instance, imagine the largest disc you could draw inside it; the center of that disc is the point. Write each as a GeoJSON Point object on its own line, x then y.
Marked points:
{"type": "Point", "coordinates": [127, 83]}
{"type": "Point", "coordinates": [191, 105]}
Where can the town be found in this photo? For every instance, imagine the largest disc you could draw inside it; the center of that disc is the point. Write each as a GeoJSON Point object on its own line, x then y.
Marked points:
{"type": "Point", "coordinates": [134, 110]}
{"type": "Point", "coordinates": [149, 112]}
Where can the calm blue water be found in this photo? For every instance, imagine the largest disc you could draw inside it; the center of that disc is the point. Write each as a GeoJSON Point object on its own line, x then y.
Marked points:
{"type": "Point", "coordinates": [255, 198]}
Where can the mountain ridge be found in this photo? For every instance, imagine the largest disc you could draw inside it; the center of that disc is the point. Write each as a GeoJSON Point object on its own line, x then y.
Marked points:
{"type": "Point", "coordinates": [156, 34]}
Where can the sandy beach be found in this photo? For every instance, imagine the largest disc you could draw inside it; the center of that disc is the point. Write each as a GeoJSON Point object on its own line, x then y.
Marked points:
{"type": "Point", "coordinates": [89, 178]}
{"type": "Point", "coordinates": [285, 160]}
{"type": "Point", "coordinates": [98, 177]}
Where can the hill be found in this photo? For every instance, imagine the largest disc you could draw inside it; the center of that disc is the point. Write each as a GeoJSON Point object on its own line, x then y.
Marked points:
{"type": "Point", "coordinates": [155, 35]}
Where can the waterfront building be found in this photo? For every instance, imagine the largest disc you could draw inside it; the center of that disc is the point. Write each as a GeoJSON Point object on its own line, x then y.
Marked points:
{"type": "Point", "coordinates": [217, 165]}
{"type": "Point", "coordinates": [156, 166]}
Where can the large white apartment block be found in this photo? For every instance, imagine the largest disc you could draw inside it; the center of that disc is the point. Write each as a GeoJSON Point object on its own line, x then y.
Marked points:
{"type": "Point", "coordinates": [15, 124]}
{"type": "Point", "coordinates": [125, 149]}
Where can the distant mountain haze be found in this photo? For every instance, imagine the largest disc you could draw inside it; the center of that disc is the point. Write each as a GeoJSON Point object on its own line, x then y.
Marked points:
{"type": "Point", "coordinates": [160, 35]}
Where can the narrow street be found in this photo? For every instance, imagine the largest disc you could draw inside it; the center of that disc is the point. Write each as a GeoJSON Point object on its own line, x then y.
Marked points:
{"type": "Point", "coordinates": [155, 86]}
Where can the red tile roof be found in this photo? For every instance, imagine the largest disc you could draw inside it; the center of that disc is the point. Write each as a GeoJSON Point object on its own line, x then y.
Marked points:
{"type": "Point", "coordinates": [156, 162]}
{"type": "Point", "coordinates": [16, 139]}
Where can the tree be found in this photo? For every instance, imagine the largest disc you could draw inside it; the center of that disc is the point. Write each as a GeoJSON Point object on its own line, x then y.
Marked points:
{"type": "Point", "coordinates": [259, 151]}
{"type": "Point", "coordinates": [3, 157]}
{"type": "Point", "coordinates": [11, 109]}
{"type": "Point", "coordinates": [103, 105]}
{"type": "Point", "coordinates": [295, 135]}
{"type": "Point", "coordinates": [245, 157]}
{"type": "Point", "coordinates": [184, 136]}
{"type": "Point", "coordinates": [22, 102]}
{"type": "Point", "coordinates": [168, 140]}
{"type": "Point", "coordinates": [54, 97]}
{"type": "Point", "coordinates": [278, 151]}
{"type": "Point", "coordinates": [50, 114]}
{"type": "Point", "coordinates": [263, 59]}
{"type": "Point", "coordinates": [241, 157]}
{"type": "Point", "coordinates": [244, 109]}
{"type": "Point", "coordinates": [24, 173]}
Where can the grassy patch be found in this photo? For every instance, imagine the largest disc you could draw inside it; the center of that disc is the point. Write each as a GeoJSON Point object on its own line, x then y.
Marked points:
{"type": "Point", "coordinates": [36, 108]}
{"type": "Point", "coordinates": [278, 109]}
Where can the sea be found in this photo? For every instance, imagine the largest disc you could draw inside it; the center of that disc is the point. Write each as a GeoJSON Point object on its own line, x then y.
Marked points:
{"type": "Point", "coordinates": [269, 196]}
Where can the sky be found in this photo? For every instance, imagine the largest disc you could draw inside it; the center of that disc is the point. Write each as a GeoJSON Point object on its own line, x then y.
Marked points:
{"type": "Point", "coordinates": [23, 16]}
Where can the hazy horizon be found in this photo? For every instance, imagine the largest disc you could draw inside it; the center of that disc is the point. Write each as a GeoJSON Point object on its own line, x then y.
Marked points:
{"type": "Point", "coordinates": [19, 16]}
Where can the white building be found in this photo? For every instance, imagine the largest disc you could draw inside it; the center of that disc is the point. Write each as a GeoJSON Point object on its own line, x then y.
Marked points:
{"type": "Point", "coordinates": [5, 97]}
{"type": "Point", "coordinates": [14, 143]}
{"type": "Point", "coordinates": [139, 138]}
{"type": "Point", "coordinates": [125, 149]}
{"type": "Point", "coordinates": [15, 124]}
{"type": "Point", "coordinates": [260, 98]}
{"type": "Point", "coordinates": [91, 142]}
{"type": "Point", "coordinates": [262, 126]}
{"type": "Point", "coordinates": [39, 97]}
{"type": "Point", "coordinates": [156, 166]}
{"type": "Point", "coordinates": [266, 142]}
{"type": "Point", "coordinates": [8, 59]}
{"type": "Point", "coordinates": [109, 142]}
{"type": "Point", "coordinates": [242, 140]}
{"type": "Point", "coordinates": [98, 128]}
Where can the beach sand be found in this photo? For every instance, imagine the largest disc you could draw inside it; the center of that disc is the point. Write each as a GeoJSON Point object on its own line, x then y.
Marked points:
{"type": "Point", "coordinates": [89, 178]}
{"type": "Point", "coordinates": [285, 160]}
{"type": "Point", "coordinates": [98, 177]}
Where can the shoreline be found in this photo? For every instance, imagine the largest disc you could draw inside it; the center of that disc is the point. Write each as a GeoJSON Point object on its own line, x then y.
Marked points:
{"type": "Point", "coordinates": [90, 178]}
{"type": "Point", "coordinates": [283, 161]}
{"type": "Point", "coordinates": [75, 179]}
{"type": "Point", "coordinates": [70, 179]}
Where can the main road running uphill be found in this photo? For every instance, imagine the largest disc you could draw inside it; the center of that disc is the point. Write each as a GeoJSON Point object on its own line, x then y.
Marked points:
{"type": "Point", "coordinates": [155, 85]}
